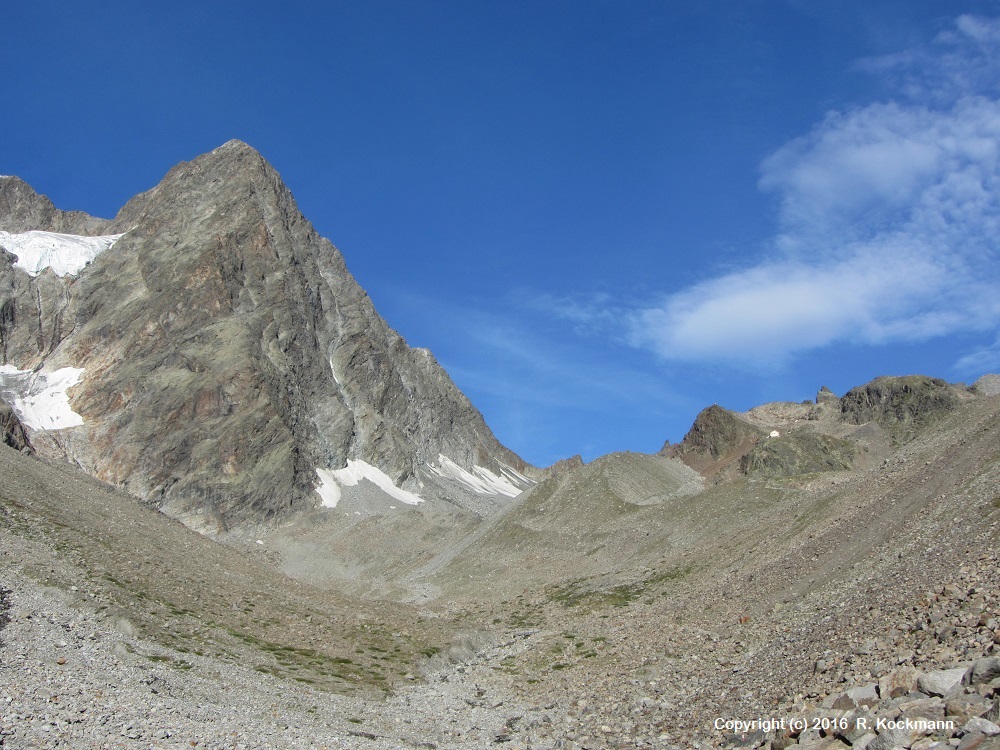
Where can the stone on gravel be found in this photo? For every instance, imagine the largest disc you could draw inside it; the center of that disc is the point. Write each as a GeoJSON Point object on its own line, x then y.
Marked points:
{"type": "Point", "coordinates": [981, 725]}
{"type": "Point", "coordinates": [984, 670]}
{"type": "Point", "coordinates": [898, 683]}
{"type": "Point", "coordinates": [864, 696]}
{"type": "Point", "coordinates": [946, 683]}
{"type": "Point", "coordinates": [892, 738]}
{"type": "Point", "coordinates": [865, 741]}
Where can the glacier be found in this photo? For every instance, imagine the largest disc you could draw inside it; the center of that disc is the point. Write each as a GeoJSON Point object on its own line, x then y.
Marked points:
{"type": "Point", "coordinates": [39, 398]}
{"type": "Point", "coordinates": [65, 254]}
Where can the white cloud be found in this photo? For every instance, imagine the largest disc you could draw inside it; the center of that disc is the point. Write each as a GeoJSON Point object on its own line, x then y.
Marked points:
{"type": "Point", "coordinates": [888, 226]}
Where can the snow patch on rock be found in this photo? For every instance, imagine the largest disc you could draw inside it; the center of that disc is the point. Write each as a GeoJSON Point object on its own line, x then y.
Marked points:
{"type": "Point", "coordinates": [40, 398]}
{"type": "Point", "coordinates": [65, 254]}
{"type": "Point", "coordinates": [480, 480]}
{"type": "Point", "coordinates": [328, 488]}
{"type": "Point", "coordinates": [331, 481]}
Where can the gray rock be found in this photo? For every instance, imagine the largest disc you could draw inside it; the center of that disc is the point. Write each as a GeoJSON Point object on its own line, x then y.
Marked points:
{"type": "Point", "coordinates": [864, 741]}
{"type": "Point", "coordinates": [923, 708]}
{"type": "Point", "coordinates": [902, 405]}
{"type": "Point", "coordinates": [987, 385]}
{"type": "Point", "coordinates": [859, 726]}
{"type": "Point", "coordinates": [984, 670]}
{"type": "Point", "coordinates": [978, 741]}
{"type": "Point", "coordinates": [894, 738]}
{"type": "Point", "coordinates": [981, 725]}
{"type": "Point", "coordinates": [863, 696]}
{"type": "Point", "coordinates": [898, 683]}
{"type": "Point", "coordinates": [945, 683]}
{"type": "Point", "coordinates": [12, 431]}
{"type": "Point", "coordinates": [967, 706]}
{"type": "Point", "coordinates": [826, 396]}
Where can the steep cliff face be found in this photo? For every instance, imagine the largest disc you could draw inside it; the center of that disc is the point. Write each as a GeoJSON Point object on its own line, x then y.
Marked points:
{"type": "Point", "coordinates": [227, 352]}
{"type": "Point", "coordinates": [12, 432]}
{"type": "Point", "coordinates": [33, 309]}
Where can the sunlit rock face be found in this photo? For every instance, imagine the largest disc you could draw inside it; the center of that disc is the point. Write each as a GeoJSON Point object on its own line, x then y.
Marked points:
{"type": "Point", "coordinates": [226, 351]}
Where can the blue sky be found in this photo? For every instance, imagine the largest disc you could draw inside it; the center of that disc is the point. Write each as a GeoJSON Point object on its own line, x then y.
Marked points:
{"type": "Point", "coordinates": [600, 216]}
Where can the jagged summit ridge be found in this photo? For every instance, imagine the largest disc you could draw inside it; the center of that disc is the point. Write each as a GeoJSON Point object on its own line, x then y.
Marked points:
{"type": "Point", "coordinates": [227, 351]}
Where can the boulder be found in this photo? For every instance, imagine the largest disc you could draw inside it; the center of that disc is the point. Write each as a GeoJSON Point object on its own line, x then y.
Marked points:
{"type": "Point", "coordinates": [863, 696]}
{"type": "Point", "coordinates": [984, 670]}
{"type": "Point", "coordinates": [944, 682]}
{"type": "Point", "coordinates": [898, 683]}
{"type": "Point", "coordinates": [981, 725]}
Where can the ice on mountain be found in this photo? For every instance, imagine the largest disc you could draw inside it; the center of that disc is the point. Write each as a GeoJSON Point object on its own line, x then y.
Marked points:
{"type": "Point", "coordinates": [331, 481]}
{"type": "Point", "coordinates": [65, 254]}
{"type": "Point", "coordinates": [40, 398]}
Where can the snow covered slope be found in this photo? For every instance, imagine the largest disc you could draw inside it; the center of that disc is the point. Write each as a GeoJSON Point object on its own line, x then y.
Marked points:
{"type": "Point", "coordinates": [65, 254]}
{"type": "Point", "coordinates": [480, 480]}
{"type": "Point", "coordinates": [40, 398]}
{"type": "Point", "coordinates": [351, 475]}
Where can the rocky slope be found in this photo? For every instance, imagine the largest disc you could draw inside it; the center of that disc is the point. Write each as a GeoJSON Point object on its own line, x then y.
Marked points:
{"type": "Point", "coordinates": [227, 357]}
{"type": "Point", "coordinates": [595, 523]}
{"type": "Point", "coordinates": [590, 620]}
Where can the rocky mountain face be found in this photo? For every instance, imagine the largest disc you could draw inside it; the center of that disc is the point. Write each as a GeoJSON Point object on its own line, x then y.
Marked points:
{"type": "Point", "coordinates": [12, 432]}
{"type": "Point", "coordinates": [902, 405]}
{"type": "Point", "coordinates": [217, 357]}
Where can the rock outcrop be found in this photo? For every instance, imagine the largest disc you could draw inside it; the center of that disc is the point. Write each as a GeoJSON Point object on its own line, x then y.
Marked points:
{"type": "Point", "coordinates": [902, 405]}
{"type": "Point", "coordinates": [12, 432]}
{"type": "Point", "coordinates": [24, 210]}
{"type": "Point", "coordinates": [801, 453]}
{"type": "Point", "coordinates": [987, 385]}
{"type": "Point", "coordinates": [716, 442]}
{"type": "Point", "coordinates": [717, 432]}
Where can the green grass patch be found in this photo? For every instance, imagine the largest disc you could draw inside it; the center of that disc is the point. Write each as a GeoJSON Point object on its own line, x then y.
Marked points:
{"type": "Point", "coordinates": [587, 593]}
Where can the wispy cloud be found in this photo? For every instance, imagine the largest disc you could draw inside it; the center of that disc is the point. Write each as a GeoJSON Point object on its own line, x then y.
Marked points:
{"type": "Point", "coordinates": [545, 394]}
{"type": "Point", "coordinates": [887, 227]}
{"type": "Point", "coordinates": [985, 359]}
{"type": "Point", "coordinates": [513, 360]}
{"type": "Point", "coordinates": [961, 61]}
{"type": "Point", "coordinates": [589, 315]}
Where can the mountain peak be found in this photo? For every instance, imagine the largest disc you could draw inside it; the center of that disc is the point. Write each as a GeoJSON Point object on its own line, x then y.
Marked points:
{"type": "Point", "coordinates": [230, 361]}
{"type": "Point", "coordinates": [235, 144]}
{"type": "Point", "coordinates": [233, 181]}
{"type": "Point", "coordinates": [238, 152]}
